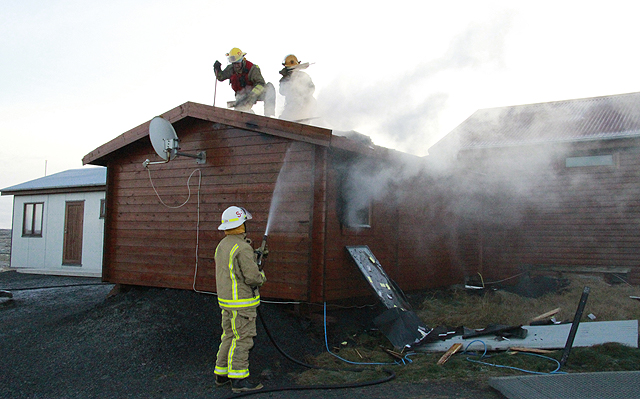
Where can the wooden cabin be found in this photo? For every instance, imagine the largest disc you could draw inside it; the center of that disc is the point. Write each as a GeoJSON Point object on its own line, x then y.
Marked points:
{"type": "Point", "coordinates": [314, 190]}
{"type": "Point", "coordinates": [550, 187]}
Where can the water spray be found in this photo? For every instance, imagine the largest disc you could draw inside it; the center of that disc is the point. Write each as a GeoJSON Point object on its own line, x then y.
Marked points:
{"type": "Point", "coordinates": [276, 199]}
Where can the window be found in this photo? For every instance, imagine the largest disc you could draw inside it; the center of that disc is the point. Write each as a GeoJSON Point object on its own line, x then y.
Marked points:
{"type": "Point", "coordinates": [103, 208]}
{"type": "Point", "coordinates": [357, 187]}
{"type": "Point", "coordinates": [360, 217]}
{"type": "Point", "coordinates": [593, 160]}
{"type": "Point", "coordinates": [32, 221]}
{"type": "Point", "coordinates": [354, 212]}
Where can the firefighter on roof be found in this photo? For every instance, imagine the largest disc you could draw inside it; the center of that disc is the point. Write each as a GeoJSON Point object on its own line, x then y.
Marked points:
{"type": "Point", "coordinates": [237, 280]}
{"type": "Point", "coordinates": [247, 82]}
{"type": "Point", "coordinates": [297, 88]}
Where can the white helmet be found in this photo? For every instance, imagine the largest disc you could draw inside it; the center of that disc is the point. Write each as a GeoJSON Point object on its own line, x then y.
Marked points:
{"type": "Point", "coordinates": [233, 217]}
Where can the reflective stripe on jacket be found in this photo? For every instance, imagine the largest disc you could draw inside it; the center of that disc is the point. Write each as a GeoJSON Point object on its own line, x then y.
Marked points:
{"type": "Point", "coordinates": [237, 274]}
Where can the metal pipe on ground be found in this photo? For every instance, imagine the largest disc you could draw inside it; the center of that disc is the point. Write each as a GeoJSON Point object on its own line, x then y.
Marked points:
{"type": "Point", "coordinates": [574, 326]}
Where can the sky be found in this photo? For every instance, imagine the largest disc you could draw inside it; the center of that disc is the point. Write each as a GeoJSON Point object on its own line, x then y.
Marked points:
{"type": "Point", "coordinates": [76, 74]}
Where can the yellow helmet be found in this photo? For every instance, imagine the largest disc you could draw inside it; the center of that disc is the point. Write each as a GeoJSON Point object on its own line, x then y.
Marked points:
{"type": "Point", "coordinates": [235, 55]}
{"type": "Point", "coordinates": [291, 61]}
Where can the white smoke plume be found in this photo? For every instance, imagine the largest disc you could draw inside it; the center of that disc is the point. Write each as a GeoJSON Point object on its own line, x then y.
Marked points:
{"type": "Point", "coordinates": [403, 105]}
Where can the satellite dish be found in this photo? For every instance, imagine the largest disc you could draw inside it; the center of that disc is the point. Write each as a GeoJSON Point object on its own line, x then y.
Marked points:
{"type": "Point", "coordinates": [163, 138]}
{"type": "Point", "coordinates": [165, 142]}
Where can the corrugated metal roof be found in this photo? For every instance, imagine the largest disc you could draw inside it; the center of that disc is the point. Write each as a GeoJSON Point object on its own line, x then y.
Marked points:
{"type": "Point", "coordinates": [72, 178]}
{"type": "Point", "coordinates": [597, 118]}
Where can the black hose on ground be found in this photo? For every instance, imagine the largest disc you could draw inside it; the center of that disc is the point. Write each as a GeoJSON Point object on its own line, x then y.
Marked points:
{"type": "Point", "coordinates": [52, 286]}
{"type": "Point", "coordinates": [390, 374]}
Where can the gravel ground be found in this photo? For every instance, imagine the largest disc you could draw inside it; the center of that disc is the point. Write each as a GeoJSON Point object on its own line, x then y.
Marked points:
{"type": "Point", "coordinates": [73, 340]}
{"type": "Point", "coordinates": [5, 248]}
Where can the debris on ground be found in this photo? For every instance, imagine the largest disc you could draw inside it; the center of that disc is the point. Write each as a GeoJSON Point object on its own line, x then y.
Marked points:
{"type": "Point", "coordinates": [450, 352]}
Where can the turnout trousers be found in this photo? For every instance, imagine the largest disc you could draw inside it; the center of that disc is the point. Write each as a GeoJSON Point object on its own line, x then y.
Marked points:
{"type": "Point", "coordinates": [268, 96]}
{"type": "Point", "coordinates": [238, 330]}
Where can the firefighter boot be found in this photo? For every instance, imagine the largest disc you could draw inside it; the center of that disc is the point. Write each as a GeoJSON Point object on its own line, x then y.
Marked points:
{"type": "Point", "coordinates": [222, 380]}
{"type": "Point", "coordinates": [244, 385]}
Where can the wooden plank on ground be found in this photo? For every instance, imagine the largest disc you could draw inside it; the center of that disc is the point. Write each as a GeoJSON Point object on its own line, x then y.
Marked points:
{"type": "Point", "coordinates": [450, 352]}
{"type": "Point", "coordinates": [624, 332]}
{"type": "Point", "coordinates": [546, 315]}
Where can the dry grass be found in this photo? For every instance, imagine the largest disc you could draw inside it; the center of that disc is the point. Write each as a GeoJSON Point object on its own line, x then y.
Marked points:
{"type": "Point", "coordinates": [459, 308]}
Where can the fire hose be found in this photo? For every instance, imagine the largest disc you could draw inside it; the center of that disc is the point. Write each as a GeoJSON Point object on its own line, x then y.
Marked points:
{"type": "Point", "coordinates": [261, 255]}
{"type": "Point", "coordinates": [390, 374]}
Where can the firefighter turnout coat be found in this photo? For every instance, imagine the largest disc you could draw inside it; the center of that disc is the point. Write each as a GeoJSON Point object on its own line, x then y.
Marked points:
{"type": "Point", "coordinates": [237, 274]}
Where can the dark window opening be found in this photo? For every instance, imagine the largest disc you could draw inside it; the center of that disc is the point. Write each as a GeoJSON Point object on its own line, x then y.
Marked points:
{"type": "Point", "coordinates": [354, 205]}
{"type": "Point", "coordinates": [32, 219]}
{"type": "Point", "coordinates": [360, 216]}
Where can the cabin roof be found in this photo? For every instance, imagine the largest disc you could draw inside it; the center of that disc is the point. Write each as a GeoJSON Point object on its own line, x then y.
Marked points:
{"type": "Point", "coordinates": [85, 179]}
{"type": "Point", "coordinates": [587, 119]}
{"type": "Point", "coordinates": [272, 126]}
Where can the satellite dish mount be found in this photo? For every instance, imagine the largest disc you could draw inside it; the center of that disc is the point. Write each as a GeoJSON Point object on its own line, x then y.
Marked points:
{"type": "Point", "coordinates": [166, 144]}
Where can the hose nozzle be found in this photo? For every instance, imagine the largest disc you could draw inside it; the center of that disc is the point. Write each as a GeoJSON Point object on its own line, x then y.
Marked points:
{"type": "Point", "coordinates": [262, 252]}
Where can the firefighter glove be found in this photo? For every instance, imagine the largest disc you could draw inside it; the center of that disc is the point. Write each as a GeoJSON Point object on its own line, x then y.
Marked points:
{"type": "Point", "coordinates": [255, 93]}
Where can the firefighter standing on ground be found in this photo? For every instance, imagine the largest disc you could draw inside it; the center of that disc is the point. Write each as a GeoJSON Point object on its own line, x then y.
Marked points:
{"type": "Point", "coordinates": [297, 88]}
{"type": "Point", "coordinates": [237, 280]}
{"type": "Point", "coordinates": [247, 82]}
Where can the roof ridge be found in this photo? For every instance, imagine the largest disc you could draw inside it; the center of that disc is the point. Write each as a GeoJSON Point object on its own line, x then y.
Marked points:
{"type": "Point", "coordinates": [575, 100]}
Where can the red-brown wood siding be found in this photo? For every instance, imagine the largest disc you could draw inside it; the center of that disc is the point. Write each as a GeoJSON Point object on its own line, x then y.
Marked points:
{"type": "Point", "coordinates": [410, 235]}
{"type": "Point", "coordinates": [319, 221]}
{"type": "Point", "coordinates": [342, 277]}
{"type": "Point", "coordinates": [150, 244]}
{"type": "Point", "coordinates": [584, 217]}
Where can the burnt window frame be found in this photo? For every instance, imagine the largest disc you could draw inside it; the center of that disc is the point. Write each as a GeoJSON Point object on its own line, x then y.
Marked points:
{"type": "Point", "coordinates": [31, 231]}
{"type": "Point", "coordinates": [343, 209]}
{"type": "Point", "coordinates": [356, 214]}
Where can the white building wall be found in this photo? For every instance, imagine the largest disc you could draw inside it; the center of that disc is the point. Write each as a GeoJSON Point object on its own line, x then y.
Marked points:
{"type": "Point", "coordinates": [44, 254]}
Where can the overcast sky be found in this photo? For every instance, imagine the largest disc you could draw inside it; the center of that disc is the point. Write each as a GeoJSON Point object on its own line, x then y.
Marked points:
{"type": "Point", "coordinates": [75, 74]}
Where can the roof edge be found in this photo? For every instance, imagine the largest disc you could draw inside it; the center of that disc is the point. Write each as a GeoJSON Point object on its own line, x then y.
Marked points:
{"type": "Point", "coordinates": [56, 190]}
{"type": "Point", "coordinates": [555, 102]}
{"type": "Point", "coordinates": [623, 136]}
{"type": "Point", "coordinates": [243, 120]}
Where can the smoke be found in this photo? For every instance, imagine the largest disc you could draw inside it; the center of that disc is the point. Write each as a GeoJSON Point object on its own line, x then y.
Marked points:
{"type": "Point", "coordinates": [522, 170]}
{"type": "Point", "coordinates": [366, 181]}
{"type": "Point", "coordinates": [516, 170]}
{"type": "Point", "coordinates": [298, 88]}
{"type": "Point", "coordinates": [403, 103]}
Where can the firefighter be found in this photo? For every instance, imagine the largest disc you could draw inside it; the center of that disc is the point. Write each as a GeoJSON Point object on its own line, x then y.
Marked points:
{"type": "Point", "coordinates": [237, 280]}
{"type": "Point", "coordinates": [297, 88]}
{"type": "Point", "coordinates": [247, 82]}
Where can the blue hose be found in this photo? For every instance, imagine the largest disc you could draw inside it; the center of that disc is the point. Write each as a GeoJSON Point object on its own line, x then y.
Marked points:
{"type": "Point", "coordinates": [404, 360]}
{"type": "Point", "coordinates": [484, 355]}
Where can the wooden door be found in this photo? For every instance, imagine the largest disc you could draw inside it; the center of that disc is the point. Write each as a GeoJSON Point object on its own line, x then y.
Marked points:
{"type": "Point", "coordinates": [73, 222]}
